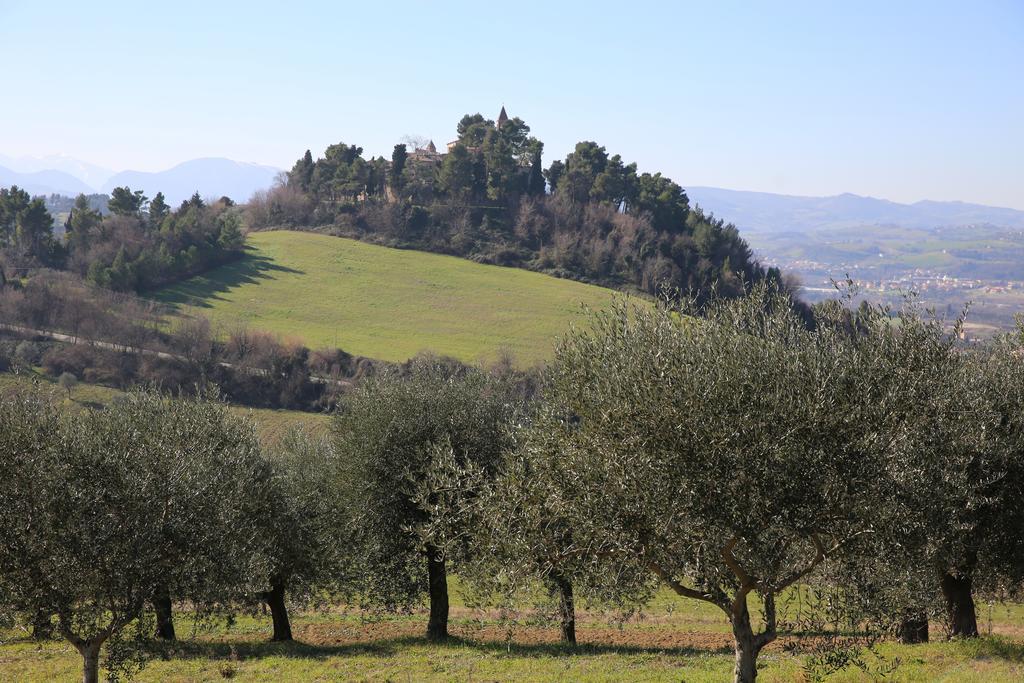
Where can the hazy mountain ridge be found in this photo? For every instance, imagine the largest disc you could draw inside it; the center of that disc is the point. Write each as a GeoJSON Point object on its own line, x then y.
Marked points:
{"type": "Point", "coordinates": [43, 182]}
{"type": "Point", "coordinates": [92, 175]}
{"type": "Point", "coordinates": [776, 213]}
{"type": "Point", "coordinates": [210, 177]}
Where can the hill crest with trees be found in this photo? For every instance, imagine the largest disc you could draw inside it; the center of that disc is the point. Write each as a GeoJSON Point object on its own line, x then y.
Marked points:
{"type": "Point", "coordinates": [591, 216]}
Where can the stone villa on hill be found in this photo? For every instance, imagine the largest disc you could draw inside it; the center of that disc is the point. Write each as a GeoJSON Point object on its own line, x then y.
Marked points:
{"type": "Point", "coordinates": [430, 155]}
{"type": "Point", "coordinates": [427, 154]}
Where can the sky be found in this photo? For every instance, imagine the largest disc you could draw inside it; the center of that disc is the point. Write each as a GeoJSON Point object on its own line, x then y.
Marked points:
{"type": "Point", "coordinates": [900, 100]}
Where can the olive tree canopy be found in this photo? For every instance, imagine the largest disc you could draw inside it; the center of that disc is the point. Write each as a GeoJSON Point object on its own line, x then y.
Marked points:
{"type": "Point", "coordinates": [303, 522]}
{"type": "Point", "coordinates": [389, 435]}
{"type": "Point", "coordinates": [719, 456]}
{"type": "Point", "coordinates": [102, 510]}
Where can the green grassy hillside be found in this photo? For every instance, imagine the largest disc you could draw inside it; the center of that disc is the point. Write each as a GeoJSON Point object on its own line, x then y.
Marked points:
{"type": "Point", "coordinates": [386, 303]}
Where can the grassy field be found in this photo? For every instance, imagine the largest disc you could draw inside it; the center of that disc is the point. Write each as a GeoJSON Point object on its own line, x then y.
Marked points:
{"type": "Point", "coordinates": [386, 303]}
{"type": "Point", "coordinates": [270, 424]}
{"type": "Point", "coordinates": [674, 640]}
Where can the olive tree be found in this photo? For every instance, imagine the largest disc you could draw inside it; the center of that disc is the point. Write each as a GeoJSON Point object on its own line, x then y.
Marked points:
{"type": "Point", "coordinates": [303, 525]}
{"type": "Point", "coordinates": [989, 549]}
{"type": "Point", "coordinates": [201, 437]}
{"type": "Point", "coordinates": [516, 540]}
{"type": "Point", "coordinates": [963, 481]}
{"type": "Point", "coordinates": [908, 374]}
{"type": "Point", "coordinates": [955, 481]}
{"type": "Point", "coordinates": [67, 382]}
{"type": "Point", "coordinates": [388, 435]}
{"type": "Point", "coordinates": [105, 510]}
{"type": "Point", "coordinates": [720, 456]}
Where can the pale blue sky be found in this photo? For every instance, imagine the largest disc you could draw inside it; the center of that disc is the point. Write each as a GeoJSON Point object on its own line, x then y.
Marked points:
{"type": "Point", "coordinates": [902, 100]}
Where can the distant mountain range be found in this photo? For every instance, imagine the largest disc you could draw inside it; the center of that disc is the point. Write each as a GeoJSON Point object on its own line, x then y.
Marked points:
{"type": "Point", "coordinates": [775, 213]}
{"type": "Point", "coordinates": [92, 175]}
{"type": "Point", "coordinates": [212, 177]}
{"type": "Point", "coordinates": [209, 177]}
{"type": "Point", "coordinates": [44, 182]}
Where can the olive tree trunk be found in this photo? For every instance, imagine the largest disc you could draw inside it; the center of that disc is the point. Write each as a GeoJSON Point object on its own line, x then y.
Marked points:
{"type": "Point", "coordinates": [90, 651]}
{"type": "Point", "coordinates": [164, 614]}
{"type": "Point", "coordinates": [747, 645]}
{"type": "Point", "coordinates": [437, 577]}
{"type": "Point", "coordinates": [962, 619]}
{"type": "Point", "coordinates": [567, 608]}
{"type": "Point", "coordinates": [278, 610]}
{"type": "Point", "coordinates": [913, 629]}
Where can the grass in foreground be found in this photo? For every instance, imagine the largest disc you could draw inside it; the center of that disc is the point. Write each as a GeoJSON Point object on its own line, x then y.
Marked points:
{"type": "Point", "coordinates": [386, 303]}
{"type": "Point", "coordinates": [667, 645]}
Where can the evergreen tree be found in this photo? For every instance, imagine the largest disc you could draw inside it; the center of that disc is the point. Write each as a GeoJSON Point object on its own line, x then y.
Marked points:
{"type": "Point", "coordinates": [472, 129]}
{"type": "Point", "coordinates": [231, 237]}
{"type": "Point", "coordinates": [455, 178]}
{"type": "Point", "coordinates": [398, 159]}
{"type": "Point", "coordinates": [582, 167]}
{"type": "Point", "coordinates": [501, 167]}
{"type": "Point", "coordinates": [12, 202]}
{"type": "Point", "coordinates": [104, 509]}
{"type": "Point", "coordinates": [302, 173]}
{"type": "Point", "coordinates": [158, 210]}
{"type": "Point", "coordinates": [554, 175]}
{"type": "Point", "coordinates": [82, 223]}
{"type": "Point", "coordinates": [34, 232]}
{"type": "Point", "coordinates": [535, 186]}
{"type": "Point", "coordinates": [124, 202]}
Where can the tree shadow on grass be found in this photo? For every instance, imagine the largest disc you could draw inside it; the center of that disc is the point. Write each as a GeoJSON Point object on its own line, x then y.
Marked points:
{"type": "Point", "coordinates": [201, 290]}
{"type": "Point", "coordinates": [994, 647]}
{"type": "Point", "coordinates": [388, 647]}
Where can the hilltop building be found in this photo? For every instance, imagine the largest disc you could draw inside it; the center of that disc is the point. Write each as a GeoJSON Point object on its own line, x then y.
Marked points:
{"type": "Point", "coordinates": [426, 154]}
{"type": "Point", "coordinates": [429, 154]}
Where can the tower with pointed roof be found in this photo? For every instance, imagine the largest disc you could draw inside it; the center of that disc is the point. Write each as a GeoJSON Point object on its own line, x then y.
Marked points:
{"type": "Point", "coordinates": [502, 117]}
{"type": "Point", "coordinates": [428, 153]}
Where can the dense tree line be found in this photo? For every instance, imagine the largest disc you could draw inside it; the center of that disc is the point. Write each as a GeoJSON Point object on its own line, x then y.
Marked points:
{"type": "Point", "coordinates": [138, 244]}
{"type": "Point", "coordinates": [722, 450]}
{"type": "Point", "coordinates": [590, 217]}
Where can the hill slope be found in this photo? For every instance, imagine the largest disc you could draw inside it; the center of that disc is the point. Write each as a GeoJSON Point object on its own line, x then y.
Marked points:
{"type": "Point", "coordinates": [386, 303]}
